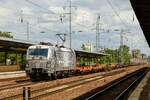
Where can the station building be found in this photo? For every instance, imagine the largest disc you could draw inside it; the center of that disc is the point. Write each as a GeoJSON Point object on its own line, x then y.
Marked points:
{"type": "Point", "coordinates": [13, 54]}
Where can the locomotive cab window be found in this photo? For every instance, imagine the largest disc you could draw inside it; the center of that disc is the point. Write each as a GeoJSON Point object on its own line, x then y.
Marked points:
{"type": "Point", "coordinates": [38, 52]}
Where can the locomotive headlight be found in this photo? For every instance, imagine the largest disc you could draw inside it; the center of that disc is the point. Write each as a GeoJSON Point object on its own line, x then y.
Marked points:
{"type": "Point", "coordinates": [27, 65]}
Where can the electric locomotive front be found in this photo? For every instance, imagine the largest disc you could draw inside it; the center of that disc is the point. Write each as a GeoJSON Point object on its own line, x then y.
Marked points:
{"type": "Point", "coordinates": [40, 59]}
{"type": "Point", "coordinates": [46, 62]}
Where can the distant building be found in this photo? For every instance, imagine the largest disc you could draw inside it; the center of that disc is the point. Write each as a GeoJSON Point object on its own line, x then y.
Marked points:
{"type": "Point", "coordinates": [138, 57]}
{"type": "Point", "coordinates": [136, 53]}
{"type": "Point", "coordinates": [148, 59]}
{"type": "Point", "coordinates": [88, 47]}
{"type": "Point", "coordinates": [144, 56]}
{"type": "Point", "coordinates": [46, 43]}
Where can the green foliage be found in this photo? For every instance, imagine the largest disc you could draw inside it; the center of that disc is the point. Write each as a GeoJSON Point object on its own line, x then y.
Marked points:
{"type": "Point", "coordinates": [108, 67]}
{"type": "Point", "coordinates": [14, 59]}
{"type": "Point", "coordinates": [148, 59]}
{"type": "Point", "coordinates": [113, 58]}
{"type": "Point", "coordinates": [115, 55]}
{"type": "Point", "coordinates": [2, 58]}
{"type": "Point", "coordinates": [83, 47]}
{"type": "Point", "coordinates": [125, 54]}
{"type": "Point", "coordinates": [5, 34]}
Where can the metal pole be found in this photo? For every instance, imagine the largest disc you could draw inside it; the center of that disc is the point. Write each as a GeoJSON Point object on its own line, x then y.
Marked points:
{"type": "Point", "coordinates": [96, 40]}
{"type": "Point", "coordinates": [26, 93]}
{"type": "Point", "coordinates": [16, 58]}
{"type": "Point", "coordinates": [121, 48]}
{"type": "Point", "coordinates": [70, 18]}
{"type": "Point", "coordinates": [98, 31]}
{"type": "Point", "coordinates": [6, 53]}
{"type": "Point", "coordinates": [29, 92]}
{"type": "Point", "coordinates": [97, 34]}
{"type": "Point", "coordinates": [28, 31]}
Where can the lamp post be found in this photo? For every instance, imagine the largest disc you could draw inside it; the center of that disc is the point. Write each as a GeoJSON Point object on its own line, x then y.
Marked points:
{"type": "Point", "coordinates": [27, 23]}
{"type": "Point", "coordinates": [28, 31]}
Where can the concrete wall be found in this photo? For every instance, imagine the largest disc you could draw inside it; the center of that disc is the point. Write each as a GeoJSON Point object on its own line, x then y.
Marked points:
{"type": "Point", "coordinates": [10, 68]}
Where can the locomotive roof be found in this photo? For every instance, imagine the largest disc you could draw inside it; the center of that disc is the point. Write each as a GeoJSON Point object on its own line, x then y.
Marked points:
{"type": "Point", "coordinates": [89, 54]}
{"type": "Point", "coordinates": [41, 46]}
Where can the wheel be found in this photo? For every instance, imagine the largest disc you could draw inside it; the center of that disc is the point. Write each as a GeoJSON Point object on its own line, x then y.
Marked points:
{"type": "Point", "coordinates": [54, 76]}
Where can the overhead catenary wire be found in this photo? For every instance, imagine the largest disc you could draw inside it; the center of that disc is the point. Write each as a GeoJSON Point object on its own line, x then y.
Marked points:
{"type": "Point", "coordinates": [47, 10]}
{"type": "Point", "coordinates": [31, 26]}
{"type": "Point", "coordinates": [133, 17]}
{"type": "Point", "coordinates": [129, 9]}
{"type": "Point", "coordinates": [116, 13]}
{"type": "Point", "coordinates": [49, 29]}
{"type": "Point", "coordinates": [37, 5]}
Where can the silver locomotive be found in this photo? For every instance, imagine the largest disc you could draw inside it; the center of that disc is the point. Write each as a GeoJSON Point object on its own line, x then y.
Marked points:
{"type": "Point", "coordinates": [45, 62]}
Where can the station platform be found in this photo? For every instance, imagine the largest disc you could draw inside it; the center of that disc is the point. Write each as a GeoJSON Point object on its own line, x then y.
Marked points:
{"type": "Point", "coordinates": [9, 75]}
{"type": "Point", "coordinates": [142, 91]}
{"type": "Point", "coordinates": [9, 68]}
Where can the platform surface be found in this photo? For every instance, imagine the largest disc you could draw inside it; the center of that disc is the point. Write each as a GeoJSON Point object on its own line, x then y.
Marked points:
{"type": "Point", "coordinates": [142, 91]}
{"type": "Point", "coordinates": [5, 75]}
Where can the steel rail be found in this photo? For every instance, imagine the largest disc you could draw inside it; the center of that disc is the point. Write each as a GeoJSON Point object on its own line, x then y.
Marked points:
{"type": "Point", "coordinates": [122, 94]}
{"type": "Point", "coordinates": [117, 83]}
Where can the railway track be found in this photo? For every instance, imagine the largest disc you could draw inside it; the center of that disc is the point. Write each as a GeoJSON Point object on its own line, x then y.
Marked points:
{"type": "Point", "coordinates": [14, 79]}
{"type": "Point", "coordinates": [38, 93]}
{"type": "Point", "coordinates": [50, 91]}
{"type": "Point", "coordinates": [12, 76]}
{"type": "Point", "coordinates": [14, 83]}
{"type": "Point", "coordinates": [44, 90]}
{"type": "Point", "coordinates": [11, 86]}
{"type": "Point", "coordinates": [120, 89]}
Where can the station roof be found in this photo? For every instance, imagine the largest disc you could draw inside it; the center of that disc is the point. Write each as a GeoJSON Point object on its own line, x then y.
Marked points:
{"type": "Point", "coordinates": [89, 54]}
{"type": "Point", "coordinates": [142, 11]}
{"type": "Point", "coordinates": [8, 44]}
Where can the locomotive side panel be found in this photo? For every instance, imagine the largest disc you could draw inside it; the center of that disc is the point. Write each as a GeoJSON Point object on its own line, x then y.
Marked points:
{"type": "Point", "coordinates": [65, 59]}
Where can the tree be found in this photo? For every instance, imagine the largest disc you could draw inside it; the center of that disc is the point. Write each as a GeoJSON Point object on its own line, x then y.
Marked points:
{"type": "Point", "coordinates": [83, 47]}
{"type": "Point", "coordinates": [115, 55]}
{"type": "Point", "coordinates": [124, 52]}
{"type": "Point", "coordinates": [148, 59]}
{"type": "Point", "coordinates": [6, 34]}
{"type": "Point", "coordinates": [113, 58]}
{"type": "Point", "coordinates": [2, 58]}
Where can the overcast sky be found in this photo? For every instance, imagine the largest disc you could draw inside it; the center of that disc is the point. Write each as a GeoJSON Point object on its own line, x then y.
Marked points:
{"type": "Point", "coordinates": [44, 17]}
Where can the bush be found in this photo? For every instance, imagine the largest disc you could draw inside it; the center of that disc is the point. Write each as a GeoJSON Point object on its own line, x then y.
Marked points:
{"type": "Point", "coordinates": [108, 67]}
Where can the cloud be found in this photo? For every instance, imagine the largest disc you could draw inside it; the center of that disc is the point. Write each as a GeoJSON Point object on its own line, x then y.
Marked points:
{"type": "Point", "coordinates": [83, 19]}
{"type": "Point", "coordinates": [27, 11]}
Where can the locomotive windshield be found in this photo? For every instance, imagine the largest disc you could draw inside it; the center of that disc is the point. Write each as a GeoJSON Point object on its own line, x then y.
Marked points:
{"type": "Point", "coordinates": [38, 52]}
